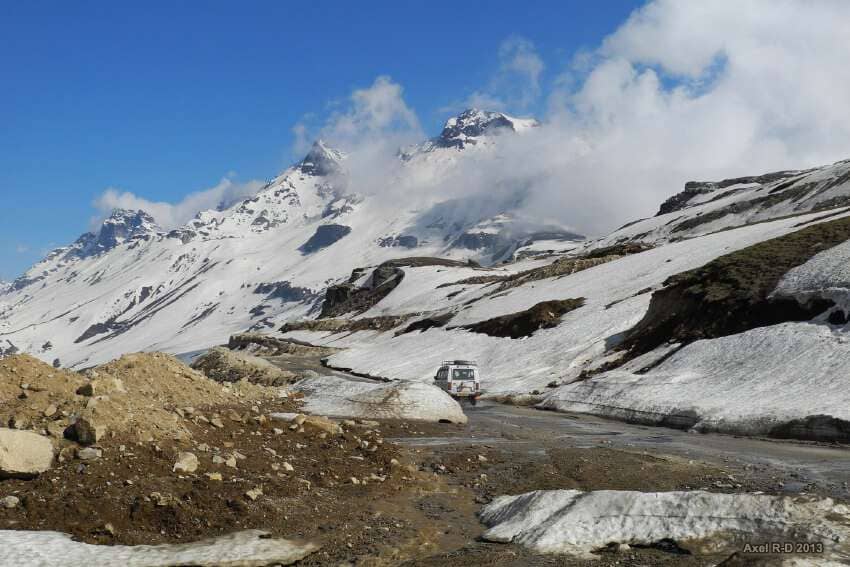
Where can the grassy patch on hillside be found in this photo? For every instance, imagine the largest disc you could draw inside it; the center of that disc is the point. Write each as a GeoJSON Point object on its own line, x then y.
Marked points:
{"type": "Point", "coordinates": [730, 294]}
{"type": "Point", "coordinates": [544, 315]}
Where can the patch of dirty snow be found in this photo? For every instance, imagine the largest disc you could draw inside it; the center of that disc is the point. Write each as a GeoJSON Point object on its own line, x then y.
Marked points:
{"type": "Point", "coordinates": [579, 523]}
{"type": "Point", "coordinates": [747, 383]}
{"type": "Point", "coordinates": [340, 397]}
{"type": "Point", "coordinates": [243, 549]}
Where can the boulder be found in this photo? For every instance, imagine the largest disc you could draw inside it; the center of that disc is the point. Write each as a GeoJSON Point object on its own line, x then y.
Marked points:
{"type": "Point", "coordinates": [87, 431]}
{"type": "Point", "coordinates": [322, 424]}
{"type": "Point", "coordinates": [89, 454]}
{"type": "Point", "coordinates": [9, 502]}
{"type": "Point", "coordinates": [24, 454]}
{"type": "Point", "coordinates": [186, 463]}
{"type": "Point", "coordinates": [101, 386]}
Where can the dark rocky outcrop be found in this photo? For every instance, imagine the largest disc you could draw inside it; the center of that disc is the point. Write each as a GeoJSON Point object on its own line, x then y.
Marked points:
{"type": "Point", "coordinates": [285, 291]}
{"type": "Point", "coordinates": [544, 315]}
{"type": "Point", "coordinates": [398, 241]}
{"type": "Point", "coordinates": [680, 201]}
{"type": "Point", "coordinates": [347, 297]}
{"type": "Point", "coordinates": [324, 236]}
{"type": "Point", "coordinates": [321, 160]}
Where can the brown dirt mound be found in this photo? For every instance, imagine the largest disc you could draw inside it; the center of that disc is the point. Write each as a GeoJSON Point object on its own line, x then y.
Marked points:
{"type": "Point", "coordinates": [223, 365]}
{"type": "Point", "coordinates": [730, 294]}
{"type": "Point", "coordinates": [384, 323]}
{"type": "Point", "coordinates": [138, 394]}
{"type": "Point", "coordinates": [265, 345]}
{"type": "Point", "coordinates": [34, 395]}
{"type": "Point", "coordinates": [544, 315]}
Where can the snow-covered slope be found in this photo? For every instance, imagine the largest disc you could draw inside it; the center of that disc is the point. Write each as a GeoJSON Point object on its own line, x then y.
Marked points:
{"type": "Point", "coordinates": [617, 294]}
{"type": "Point", "coordinates": [134, 286]}
{"type": "Point", "coordinates": [706, 207]}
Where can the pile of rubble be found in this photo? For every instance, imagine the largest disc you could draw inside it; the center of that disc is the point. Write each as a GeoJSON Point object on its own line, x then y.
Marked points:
{"type": "Point", "coordinates": [145, 450]}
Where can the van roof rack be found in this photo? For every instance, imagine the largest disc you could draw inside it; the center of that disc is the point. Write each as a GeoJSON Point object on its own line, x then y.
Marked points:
{"type": "Point", "coordinates": [459, 363]}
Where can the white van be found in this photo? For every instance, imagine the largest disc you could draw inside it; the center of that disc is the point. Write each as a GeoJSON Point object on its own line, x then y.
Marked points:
{"type": "Point", "coordinates": [460, 379]}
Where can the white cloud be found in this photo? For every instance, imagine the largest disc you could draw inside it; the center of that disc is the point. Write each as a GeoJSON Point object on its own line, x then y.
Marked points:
{"type": "Point", "coordinates": [22, 248]}
{"type": "Point", "coordinates": [377, 114]}
{"type": "Point", "coordinates": [170, 215]}
{"type": "Point", "coordinates": [681, 91]}
{"type": "Point", "coordinates": [515, 86]}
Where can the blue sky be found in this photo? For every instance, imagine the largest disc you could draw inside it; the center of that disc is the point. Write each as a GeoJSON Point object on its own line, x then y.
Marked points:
{"type": "Point", "coordinates": [166, 98]}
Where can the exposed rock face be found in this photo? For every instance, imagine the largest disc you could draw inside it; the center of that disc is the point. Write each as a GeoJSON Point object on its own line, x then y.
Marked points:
{"type": "Point", "coordinates": [346, 297]}
{"type": "Point", "coordinates": [324, 236]}
{"type": "Point", "coordinates": [471, 124]}
{"type": "Point", "coordinates": [24, 454]}
{"type": "Point", "coordinates": [694, 188]}
{"type": "Point", "coordinates": [321, 160]}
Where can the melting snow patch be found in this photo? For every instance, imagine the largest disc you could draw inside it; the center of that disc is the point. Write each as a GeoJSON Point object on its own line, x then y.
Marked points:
{"type": "Point", "coordinates": [750, 383]}
{"type": "Point", "coordinates": [245, 549]}
{"type": "Point", "coordinates": [578, 523]}
{"type": "Point", "coordinates": [330, 395]}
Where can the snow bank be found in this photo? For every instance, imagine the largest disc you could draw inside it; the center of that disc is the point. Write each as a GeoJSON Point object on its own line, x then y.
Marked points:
{"type": "Point", "coordinates": [576, 522]}
{"type": "Point", "coordinates": [340, 397]}
{"type": "Point", "coordinates": [244, 549]}
{"type": "Point", "coordinates": [748, 383]}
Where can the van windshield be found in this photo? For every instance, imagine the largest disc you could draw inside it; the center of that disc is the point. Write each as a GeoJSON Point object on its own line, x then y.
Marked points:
{"type": "Point", "coordinates": [463, 374]}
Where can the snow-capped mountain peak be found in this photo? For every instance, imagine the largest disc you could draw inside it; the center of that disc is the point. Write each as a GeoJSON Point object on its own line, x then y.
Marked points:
{"type": "Point", "coordinates": [472, 124]}
{"type": "Point", "coordinates": [321, 160]}
{"type": "Point", "coordinates": [124, 224]}
{"type": "Point", "coordinates": [121, 226]}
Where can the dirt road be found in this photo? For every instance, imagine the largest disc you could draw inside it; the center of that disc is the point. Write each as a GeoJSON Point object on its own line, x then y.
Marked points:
{"type": "Point", "coordinates": [777, 466]}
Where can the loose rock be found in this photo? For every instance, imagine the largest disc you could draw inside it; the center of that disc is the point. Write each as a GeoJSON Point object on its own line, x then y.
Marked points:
{"type": "Point", "coordinates": [186, 463]}
{"type": "Point", "coordinates": [10, 502]}
{"type": "Point", "coordinates": [24, 454]}
{"type": "Point", "coordinates": [89, 454]}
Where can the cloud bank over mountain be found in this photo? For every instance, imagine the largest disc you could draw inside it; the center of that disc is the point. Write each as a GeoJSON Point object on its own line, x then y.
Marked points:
{"type": "Point", "coordinates": [680, 91]}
